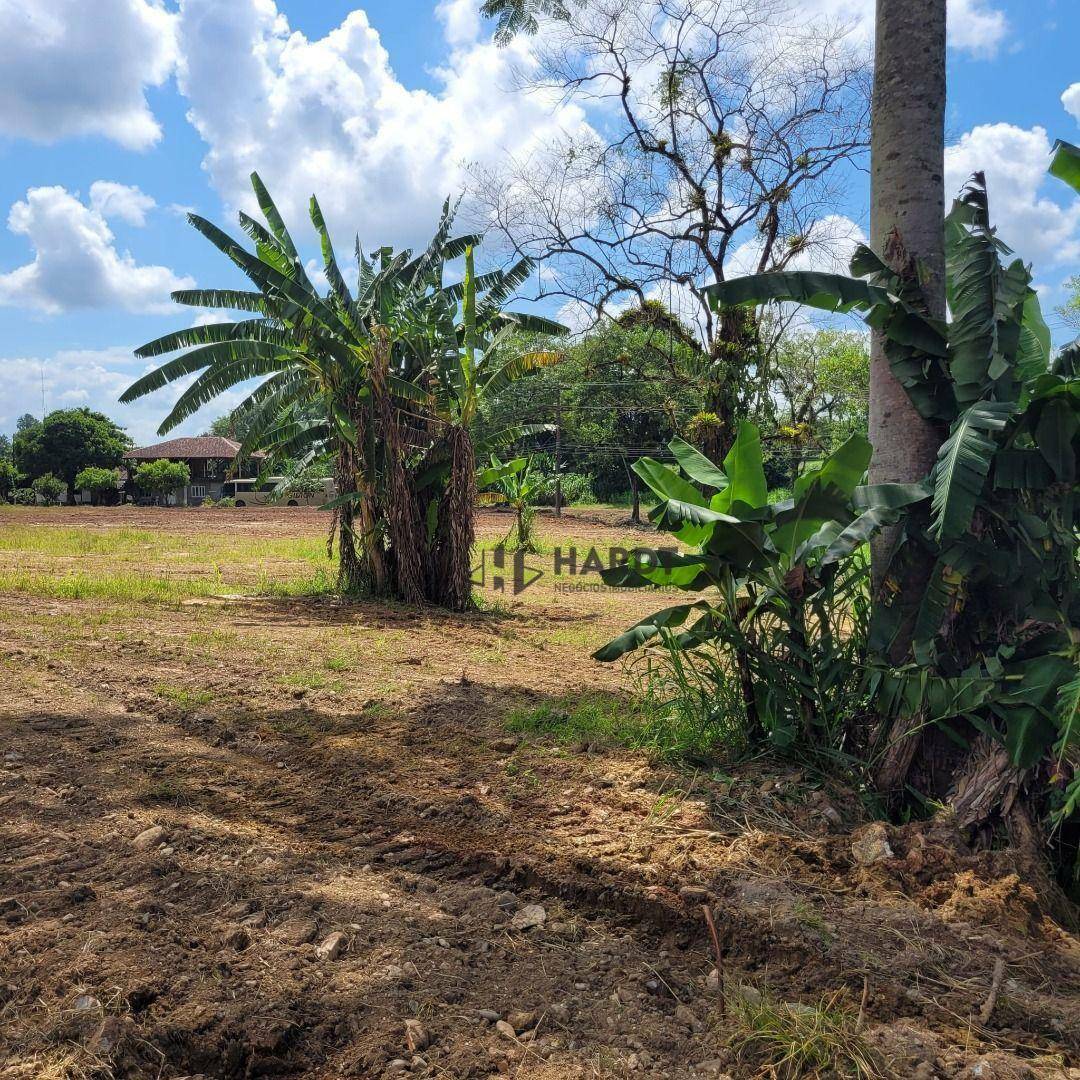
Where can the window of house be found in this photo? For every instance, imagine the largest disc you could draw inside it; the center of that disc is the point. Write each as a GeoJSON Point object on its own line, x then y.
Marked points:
{"type": "Point", "coordinates": [198, 491]}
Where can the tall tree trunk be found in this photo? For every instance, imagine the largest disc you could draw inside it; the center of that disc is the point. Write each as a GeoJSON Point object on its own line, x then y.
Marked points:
{"type": "Point", "coordinates": [907, 209]}
{"type": "Point", "coordinates": [733, 350]}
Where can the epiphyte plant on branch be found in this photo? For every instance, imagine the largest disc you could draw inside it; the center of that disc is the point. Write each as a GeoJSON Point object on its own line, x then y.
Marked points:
{"type": "Point", "coordinates": [992, 645]}
{"type": "Point", "coordinates": [395, 372]}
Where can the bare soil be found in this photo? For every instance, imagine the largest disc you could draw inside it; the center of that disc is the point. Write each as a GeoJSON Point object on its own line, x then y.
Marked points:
{"type": "Point", "coordinates": [357, 871]}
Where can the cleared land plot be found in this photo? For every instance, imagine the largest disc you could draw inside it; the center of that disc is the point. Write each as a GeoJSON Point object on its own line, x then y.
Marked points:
{"type": "Point", "coordinates": [457, 797]}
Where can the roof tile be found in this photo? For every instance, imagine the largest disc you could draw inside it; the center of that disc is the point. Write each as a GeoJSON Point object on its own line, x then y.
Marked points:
{"type": "Point", "coordinates": [202, 446]}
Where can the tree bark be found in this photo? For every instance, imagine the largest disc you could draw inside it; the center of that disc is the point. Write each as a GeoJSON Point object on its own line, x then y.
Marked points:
{"type": "Point", "coordinates": [451, 586]}
{"type": "Point", "coordinates": [907, 204]}
{"type": "Point", "coordinates": [907, 210]}
{"type": "Point", "coordinates": [403, 525]}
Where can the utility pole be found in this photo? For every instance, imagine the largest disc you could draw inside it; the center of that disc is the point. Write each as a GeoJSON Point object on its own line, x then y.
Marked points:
{"type": "Point", "coordinates": [558, 450]}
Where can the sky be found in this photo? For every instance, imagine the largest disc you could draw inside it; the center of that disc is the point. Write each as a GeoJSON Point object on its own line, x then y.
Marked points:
{"type": "Point", "coordinates": [119, 117]}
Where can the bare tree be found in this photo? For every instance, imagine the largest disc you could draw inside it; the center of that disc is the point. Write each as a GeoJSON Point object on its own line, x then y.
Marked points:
{"type": "Point", "coordinates": [721, 136]}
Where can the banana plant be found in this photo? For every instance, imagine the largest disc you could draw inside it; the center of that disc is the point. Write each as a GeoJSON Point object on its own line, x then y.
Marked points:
{"type": "Point", "coordinates": [363, 374]}
{"type": "Point", "coordinates": [776, 581]}
{"type": "Point", "coordinates": [513, 484]}
{"type": "Point", "coordinates": [997, 630]}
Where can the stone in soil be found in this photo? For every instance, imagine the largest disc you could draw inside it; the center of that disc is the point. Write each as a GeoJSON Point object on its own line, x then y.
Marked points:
{"type": "Point", "coordinates": [148, 838]}
{"type": "Point", "coordinates": [871, 845]}
{"type": "Point", "coordinates": [332, 946]}
{"type": "Point", "coordinates": [416, 1036]}
{"type": "Point", "coordinates": [505, 1029]}
{"type": "Point", "coordinates": [529, 917]}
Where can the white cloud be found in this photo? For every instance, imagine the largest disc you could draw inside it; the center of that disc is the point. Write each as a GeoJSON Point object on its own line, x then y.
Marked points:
{"type": "Point", "coordinates": [68, 67]}
{"type": "Point", "coordinates": [1042, 229]}
{"type": "Point", "coordinates": [76, 264]}
{"type": "Point", "coordinates": [96, 378]}
{"type": "Point", "coordinates": [122, 201]}
{"type": "Point", "coordinates": [974, 26]}
{"type": "Point", "coordinates": [1071, 100]}
{"type": "Point", "coordinates": [461, 19]}
{"type": "Point", "coordinates": [330, 116]}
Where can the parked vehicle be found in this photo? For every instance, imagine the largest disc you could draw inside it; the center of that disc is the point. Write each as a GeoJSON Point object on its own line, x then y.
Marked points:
{"type": "Point", "coordinates": [249, 492]}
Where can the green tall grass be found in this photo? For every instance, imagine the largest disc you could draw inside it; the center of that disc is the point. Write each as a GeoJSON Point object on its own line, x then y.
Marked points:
{"type": "Point", "coordinates": [136, 565]}
{"type": "Point", "coordinates": [639, 722]}
{"type": "Point", "coordinates": [133, 586]}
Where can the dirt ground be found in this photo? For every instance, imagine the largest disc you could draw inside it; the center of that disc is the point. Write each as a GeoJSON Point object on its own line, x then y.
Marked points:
{"type": "Point", "coordinates": [248, 836]}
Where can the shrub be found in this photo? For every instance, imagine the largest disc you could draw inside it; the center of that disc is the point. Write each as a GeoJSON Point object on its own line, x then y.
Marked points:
{"type": "Point", "coordinates": [161, 477]}
{"type": "Point", "coordinates": [576, 488]}
{"type": "Point", "coordinates": [782, 630]}
{"type": "Point", "coordinates": [48, 489]}
{"type": "Point", "coordinates": [514, 484]}
{"type": "Point", "coordinates": [23, 497]}
{"type": "Point", "coordinates": [975, 645]}
{"type": "Point", "coordinates": [10, 477]}
{"type": "Point", "coordinates": [98, 481]}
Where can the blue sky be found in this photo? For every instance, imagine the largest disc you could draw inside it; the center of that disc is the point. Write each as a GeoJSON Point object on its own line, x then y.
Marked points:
{"type": "Point", "coordinates": [117, 117]}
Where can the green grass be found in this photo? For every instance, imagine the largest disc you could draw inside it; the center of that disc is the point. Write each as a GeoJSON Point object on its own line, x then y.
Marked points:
{"type": "Point", "coordinates": [183, 697]}
{"type": "Point", "coordinates": [137, 543]}
{"type": "Point", "coordinates": [789, 1039]}
{"type": "Point", "coordinates": [339, 663]}
{"type": "Point", "coordinates": [312, 680]}
{"type": "Point", "coordinates": [212, 639]}
{"type": "Point", "coordinates": [135, 586]}
{"type": "Point", "coordinates": [638, 723]}
{"type": "Point", "coordinates": [137, 564]}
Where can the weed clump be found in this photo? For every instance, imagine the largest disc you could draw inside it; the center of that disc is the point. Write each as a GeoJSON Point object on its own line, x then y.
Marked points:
{"type": "Point", "coordinates": [788, 1039]}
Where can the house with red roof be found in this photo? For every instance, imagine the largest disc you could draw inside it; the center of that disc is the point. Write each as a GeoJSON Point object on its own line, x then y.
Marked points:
{"type": "Point", "coordinates": [212, 459]}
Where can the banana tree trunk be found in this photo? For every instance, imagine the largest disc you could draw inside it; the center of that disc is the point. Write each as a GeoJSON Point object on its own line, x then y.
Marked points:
{"type": "Point", "coordinates": [403, 525]}
{"type": "Point", "coordinates": [455, 530]}
{"type": "Point", "coordinates": [361, 560]}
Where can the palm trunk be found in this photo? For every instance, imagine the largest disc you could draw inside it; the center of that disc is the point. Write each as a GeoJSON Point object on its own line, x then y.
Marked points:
{"type": "Point", "coordinates": [907, 209]}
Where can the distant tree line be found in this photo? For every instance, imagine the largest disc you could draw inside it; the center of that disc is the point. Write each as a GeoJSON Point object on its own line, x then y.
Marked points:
{"type": "Point", "coordinates": [631, 384]}
{"type": "Point", "coordinates": [45, 458]}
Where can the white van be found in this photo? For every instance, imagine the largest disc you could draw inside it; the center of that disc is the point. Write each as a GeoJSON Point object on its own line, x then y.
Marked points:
{"type": "Point", "coordinates": [251, 493]}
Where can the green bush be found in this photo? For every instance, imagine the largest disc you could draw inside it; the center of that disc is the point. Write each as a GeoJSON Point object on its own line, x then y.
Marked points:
{"type": "Point", "coordinates": [98, 481]}
{"type": "Point", "coordinates": [162, 477]}
{"type": "Point", "coordinates": [48, 489]}
{"type": "Point", "coordinates": [576, 488]}
{"type": "Point", "coordinates": [10, 478]}
{"type": "Point", "coordinates": [778, 646]}
{"type": "Point", "coordinates": [23, 497]}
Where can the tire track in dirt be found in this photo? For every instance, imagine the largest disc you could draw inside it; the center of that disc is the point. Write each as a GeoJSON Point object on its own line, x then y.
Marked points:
{"type": "Point", "coordinates": [325, 818]}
